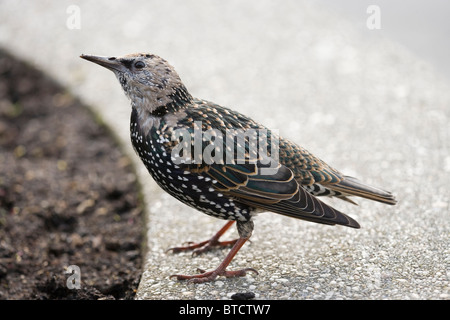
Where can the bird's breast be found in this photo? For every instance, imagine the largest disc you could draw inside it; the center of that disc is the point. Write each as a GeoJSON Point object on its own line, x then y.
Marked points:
{"type": "Point", "coordinates": [192, 188]}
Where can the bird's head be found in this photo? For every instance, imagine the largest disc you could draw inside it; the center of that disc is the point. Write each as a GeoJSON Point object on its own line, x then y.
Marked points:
{"type": "Point", "coordinates": [147, 79]}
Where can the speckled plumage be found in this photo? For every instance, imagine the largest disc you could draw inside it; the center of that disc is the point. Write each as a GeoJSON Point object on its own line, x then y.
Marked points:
{"type": "Point", "coordinates": [233, 190]}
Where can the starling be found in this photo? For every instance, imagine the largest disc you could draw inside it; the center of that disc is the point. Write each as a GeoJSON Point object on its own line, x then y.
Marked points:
{"type": "Point", "coordinates": [211, 158]}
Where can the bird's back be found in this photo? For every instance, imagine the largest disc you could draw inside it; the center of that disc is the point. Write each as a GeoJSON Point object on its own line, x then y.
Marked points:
{"type": "Point", "coordinates": [230, 190]}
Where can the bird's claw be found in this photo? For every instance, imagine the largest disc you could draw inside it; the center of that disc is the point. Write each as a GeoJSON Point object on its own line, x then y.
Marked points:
{"type": "Point", "coordinates": [190, 245]}
{"type": "Point", "coordinates": [204, 276]}
{"type": "Point", "coordinates": [202, 247]}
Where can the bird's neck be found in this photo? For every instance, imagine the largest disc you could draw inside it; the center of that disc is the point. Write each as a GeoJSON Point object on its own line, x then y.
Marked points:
{"type": "Point", "coordinates": [178, 99]}
{"type": "Point", "coordinates": [147, 113]}
{"type": "Point", "coordinates": [159, 104]}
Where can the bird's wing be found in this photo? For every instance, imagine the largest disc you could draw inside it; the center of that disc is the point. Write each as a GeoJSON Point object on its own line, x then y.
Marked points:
{"type": "Point", "coordinates": [255, 180]}
{"type": "Point", "coordinates": [279, 193]}
{"type": "Point", "coordinates": [307, 168]}
{"type": "Point", "coordinates": [310, 170]}
{"type": "Point", "coordinates": [297, 164]}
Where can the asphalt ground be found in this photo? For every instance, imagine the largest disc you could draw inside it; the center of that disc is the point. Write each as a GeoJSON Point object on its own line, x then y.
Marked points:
{"type": "Point", "coordinates": [362, 102]}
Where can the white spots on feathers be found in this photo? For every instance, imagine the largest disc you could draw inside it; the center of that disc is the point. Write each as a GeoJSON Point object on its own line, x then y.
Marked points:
{"type": "Point", "coordinates": [193, 189]}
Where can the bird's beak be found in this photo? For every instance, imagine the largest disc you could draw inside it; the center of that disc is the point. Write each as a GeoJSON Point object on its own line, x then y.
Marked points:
{"type": "Point", "coordinates": [110, 63]}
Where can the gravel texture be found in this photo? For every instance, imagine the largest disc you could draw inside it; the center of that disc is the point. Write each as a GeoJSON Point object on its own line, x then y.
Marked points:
{"type": "Point", "coordinates": [363, 104]}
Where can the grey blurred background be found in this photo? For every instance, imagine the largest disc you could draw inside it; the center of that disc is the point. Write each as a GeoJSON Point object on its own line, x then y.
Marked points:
{"type": "Point", "coordinates": [374, 103]}
{"type": "Point", "coordinates": [421, 26]}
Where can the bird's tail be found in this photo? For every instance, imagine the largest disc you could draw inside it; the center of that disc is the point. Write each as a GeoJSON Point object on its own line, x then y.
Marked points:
{"type": "Point", "coordinates": [305, 206]}
{"type": "Point", "coordinates": [353, 187]}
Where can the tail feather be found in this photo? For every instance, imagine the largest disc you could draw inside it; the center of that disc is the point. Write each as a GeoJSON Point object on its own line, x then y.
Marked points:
{"type": "Point", "coordinates": [353, 187]}
{"type": "Point", "coordinates": [305, 206]}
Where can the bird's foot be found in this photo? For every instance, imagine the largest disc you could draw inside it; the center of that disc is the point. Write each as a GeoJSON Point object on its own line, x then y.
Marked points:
{"type": "Point", "coordinates": [202, 247]}
{"type": "Point", "coordinates": [221, 269]}
{"type": "Point", "coordinates": [211, 275]}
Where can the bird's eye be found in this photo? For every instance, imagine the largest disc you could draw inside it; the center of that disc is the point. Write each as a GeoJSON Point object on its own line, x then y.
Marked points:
{"type": "Point", "coordinates": [139, 65]}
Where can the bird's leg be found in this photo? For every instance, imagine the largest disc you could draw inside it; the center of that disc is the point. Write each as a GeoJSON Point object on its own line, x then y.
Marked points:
{"type": "Point", "coordinates": [202, 247]}
{"type": "Point", "coordinates": [245, 231]}
{"type": "Point", "coordinates": [221, 269]}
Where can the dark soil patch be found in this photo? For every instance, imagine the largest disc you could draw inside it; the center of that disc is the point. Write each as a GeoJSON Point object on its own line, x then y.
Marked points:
{"type": "Point", "coordinates": [68, 196]}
